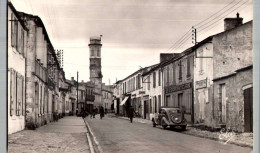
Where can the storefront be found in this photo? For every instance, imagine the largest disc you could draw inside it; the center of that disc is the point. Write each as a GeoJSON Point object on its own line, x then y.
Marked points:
{"type": "Point", "coordinates": [180, 96]}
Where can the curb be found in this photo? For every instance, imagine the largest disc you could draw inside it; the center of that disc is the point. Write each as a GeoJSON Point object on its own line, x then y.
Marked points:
{"type": "Point", "coordinates": [94, 138]}
{"type": "Point", "coordinates": [216, 139]}
{"type": "Point", "coordinates": [211, 138]}
{"type": "Point", "coordinates": [89, 140]}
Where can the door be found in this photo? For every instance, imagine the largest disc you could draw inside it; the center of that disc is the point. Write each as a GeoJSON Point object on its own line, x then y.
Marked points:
{"type": "Point", "coordinates": [167, 100]}
{"type": "Point", "coordinates": [223, 102]}
{"type": "Point", "coordinates": [146, 110]}
{"type": "Point", "coordinates": [117, 106]}
{"type": "Point", "coordinates": [179, 100]}
{"type": "Point", "coordinates": [248, 109]}
{"type": "Point", "coordinates": [73, 108]}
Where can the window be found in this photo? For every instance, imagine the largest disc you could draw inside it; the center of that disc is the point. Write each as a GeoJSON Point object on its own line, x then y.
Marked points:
{"type": "Point", "coordinates": [139, 81]}
{"type": "Point", "coordinates": [14, 31]}
{"type": "Point", "coordinates": [159, 101]}
{"type": "Point", "coordinates": [167, 76]}
{"type": "Point", "coordinates": [167, 100]}
{"type": "Point", "coordinates": [154, 79]}
{"type": "Point", "coordinates": [12, 90]}
{"type": "Point", "coordinates": [179, 100]}
{"type": "Point", "coordinates": [155, 104]}
{"type": "Point", "coordinates": [180, 71]}
{"type": "Point", "coordinates": [151, 108]}
{"type": "Point", "coordinates": [16, 94]}
{"type": "Point", "coordinates": [98, 52]}
{"type": "Point", "coordinates": [134, 84]}
{"type": "Point", "coordinates": [92, 52]}
{"type": "Point", "coordinates": [188, 67]}
{"type": "Point", "coordinates": [159, 78]}
{"type": "Point", "coordinates": [149, 82]}
{"type": "Point", "coordinates": [201, 61]}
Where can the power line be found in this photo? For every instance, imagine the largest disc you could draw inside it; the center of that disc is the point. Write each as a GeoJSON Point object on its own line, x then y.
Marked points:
{"type": "Point", "coordinates": [184, 38]}
{"type": "Point", "coordinates": [224, 16]}
{"type": "Point", "coordinates": [219, 15]}
{"type": "Point", "coordinates": [214, 13]}
{"type": "Point", "coordinates": [220, 20]}
{"type": "Point", "coordinates": [179, 41]}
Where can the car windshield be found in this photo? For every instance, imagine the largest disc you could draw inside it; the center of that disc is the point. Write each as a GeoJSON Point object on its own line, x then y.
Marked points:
{"type": "Point", "coordinates": [174, 111]}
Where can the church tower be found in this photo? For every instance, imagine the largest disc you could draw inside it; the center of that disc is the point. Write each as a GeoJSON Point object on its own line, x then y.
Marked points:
{"type": "Point", "coordinates": [95, 67]}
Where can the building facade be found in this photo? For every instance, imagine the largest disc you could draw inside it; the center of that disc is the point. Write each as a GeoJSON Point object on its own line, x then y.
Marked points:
{"type": "Point", "coordinates": [17, 49]}
{"type": "Point", "coordinates": [107, 93]}
{"type": "Point", "coordinates": [178, 83]}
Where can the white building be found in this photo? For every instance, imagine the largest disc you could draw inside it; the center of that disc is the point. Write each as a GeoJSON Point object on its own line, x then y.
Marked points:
{"type": "Point", "coordinates": [17, 33]}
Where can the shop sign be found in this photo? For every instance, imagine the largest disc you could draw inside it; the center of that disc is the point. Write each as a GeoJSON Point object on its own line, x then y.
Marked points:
{"type": "Point", "coordinates": [201, 84]}
{"type": "Point", "coordinates": [141, 92]}
{"type": "Point", "coordinates": [174, 88]}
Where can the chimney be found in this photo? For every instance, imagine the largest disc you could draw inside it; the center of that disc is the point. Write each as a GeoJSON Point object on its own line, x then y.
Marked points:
{"type": "Point", "coordinates": [167, 56]}
{"type": "Point", "coordinates": [230, 23]}
{"type": "Point", "coordinates": [72, 79]}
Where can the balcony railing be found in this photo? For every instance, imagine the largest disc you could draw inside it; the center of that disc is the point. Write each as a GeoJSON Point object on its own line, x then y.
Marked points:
{"type": "Point", "coordinates": [40, 71]}
{"type": "Point", "coordinates": [90, 97]}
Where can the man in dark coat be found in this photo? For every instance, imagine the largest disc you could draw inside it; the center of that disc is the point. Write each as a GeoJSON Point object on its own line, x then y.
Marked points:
{"type": "Point", "coordinates": [102, 112]}
{"type": "Point", "coordinates": [131, 112]}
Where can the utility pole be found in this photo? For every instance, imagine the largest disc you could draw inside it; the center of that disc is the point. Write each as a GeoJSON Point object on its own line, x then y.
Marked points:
{"type": "Point", "coordinates": [194, 35]}
{"type": "Point", "coordinates": [77, 92]}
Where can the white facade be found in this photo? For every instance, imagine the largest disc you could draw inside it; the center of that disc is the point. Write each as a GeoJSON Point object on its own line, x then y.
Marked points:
{"type": "Point", "coordinates": [16, 72]}
{"type": "Point", "coordinates": [153, 88]}
{"type": "Point", "coordinates": [203, 76]}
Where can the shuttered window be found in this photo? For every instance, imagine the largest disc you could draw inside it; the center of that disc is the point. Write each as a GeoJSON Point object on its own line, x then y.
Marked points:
{"type": "Point", "coordinates": [17, 93]}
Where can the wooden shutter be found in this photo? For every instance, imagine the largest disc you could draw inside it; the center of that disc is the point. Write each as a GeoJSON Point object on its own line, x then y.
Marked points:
{"type": "Point", "coordinates": [14, 92]}
{"type": "Point", "coordinates": [23, 97]}
{"type": "Point", "coordinates": [11, 92]}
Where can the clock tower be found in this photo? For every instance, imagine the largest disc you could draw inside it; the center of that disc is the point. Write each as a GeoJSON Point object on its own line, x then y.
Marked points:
{"type": "Point", "coordinates": [95, 67]}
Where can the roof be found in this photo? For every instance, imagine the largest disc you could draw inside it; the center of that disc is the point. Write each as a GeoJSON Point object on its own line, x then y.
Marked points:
{"type": "Point", "coordinates": [142, 69]}
{"type": "Point", "coordinates": [234, 73]}
{"type": "Point", "coordinates": [39, 23]}
{"type": "Point", "coordinates": [17, 15]}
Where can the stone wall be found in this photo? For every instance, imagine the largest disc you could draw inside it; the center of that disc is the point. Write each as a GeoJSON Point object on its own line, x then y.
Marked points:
{"type": "Point", "coordinates": [234, 99]}
{"type": "Point", "coordinates": [232, 50]}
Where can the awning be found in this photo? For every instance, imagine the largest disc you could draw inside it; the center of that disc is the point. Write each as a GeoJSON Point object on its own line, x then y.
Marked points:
{"type": "Point", "coordinates": [123, 102]}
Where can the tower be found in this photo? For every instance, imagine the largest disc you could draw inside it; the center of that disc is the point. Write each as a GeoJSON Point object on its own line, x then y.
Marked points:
{"type": "Point", "coordinates": [95, 67]}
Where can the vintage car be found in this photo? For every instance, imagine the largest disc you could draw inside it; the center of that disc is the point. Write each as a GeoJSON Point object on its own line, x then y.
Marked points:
{"type": "Point", "coordinates": [170, 116]}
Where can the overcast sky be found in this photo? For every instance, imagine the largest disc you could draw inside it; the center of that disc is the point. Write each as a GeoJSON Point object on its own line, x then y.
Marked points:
{"type": "Point", "coordinates": [134, 32]}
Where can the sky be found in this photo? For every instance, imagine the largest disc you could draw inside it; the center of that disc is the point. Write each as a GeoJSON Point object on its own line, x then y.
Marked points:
{"type": "Point", "coordinates": [134, 32]}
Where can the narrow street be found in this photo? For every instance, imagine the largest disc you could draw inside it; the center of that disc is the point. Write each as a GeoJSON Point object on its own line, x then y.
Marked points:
{"type": "Point", "coordinates": [68, 135]}
{"type": "Point", "coordinates": [117, 135]}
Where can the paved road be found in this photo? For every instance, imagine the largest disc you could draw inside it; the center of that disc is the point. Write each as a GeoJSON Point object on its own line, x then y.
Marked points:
{"type": "Point", "coordinates": [117, 135]}
{"type": "Point", "coordinates": [68, 135]}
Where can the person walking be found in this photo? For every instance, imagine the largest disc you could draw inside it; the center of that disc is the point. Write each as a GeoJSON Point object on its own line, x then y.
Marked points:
{"type": "Point", "coordinates": [94, 112]}
{"type": "Point", "coordinates": [101, 111]}
{"type": "Point", "coordinates": [131, 112]}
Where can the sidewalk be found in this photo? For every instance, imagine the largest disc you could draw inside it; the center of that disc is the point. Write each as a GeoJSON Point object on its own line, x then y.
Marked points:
{"type": "Point", "coordinates": [68, 135]}
{"type": "Point", "coordinates": [240, 139]}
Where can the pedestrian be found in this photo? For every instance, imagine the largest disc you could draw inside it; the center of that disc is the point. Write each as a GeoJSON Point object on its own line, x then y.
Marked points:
{"type": "Point", "coordinates": [131, 112]}
{"type": "Point", "coordinates": [101, 111]}
{"type": "Point", "coordinates": [94, 112]}
{"type": "Point", "coordinates": [91, 113]}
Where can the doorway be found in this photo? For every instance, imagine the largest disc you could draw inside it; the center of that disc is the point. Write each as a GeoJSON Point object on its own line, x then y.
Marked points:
{"type": "Point", "coordinates": [248, 109]}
